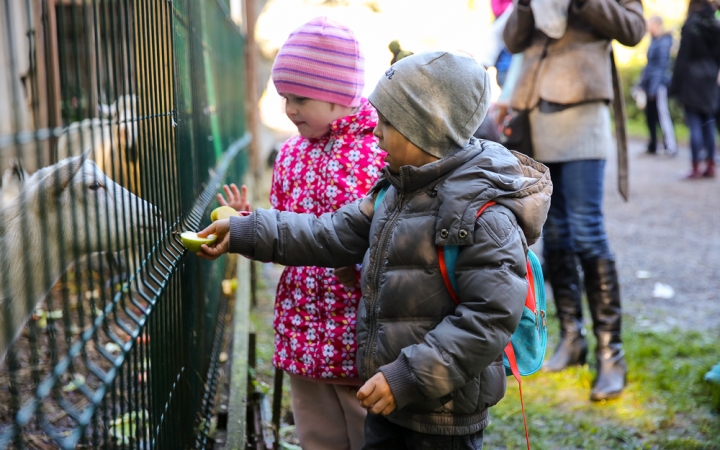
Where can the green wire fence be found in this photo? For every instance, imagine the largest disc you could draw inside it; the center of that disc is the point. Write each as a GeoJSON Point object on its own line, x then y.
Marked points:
{"type": "Point", "coordinates": [119, 120]}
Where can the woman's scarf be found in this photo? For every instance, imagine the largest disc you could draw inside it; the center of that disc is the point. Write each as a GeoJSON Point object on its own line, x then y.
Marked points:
{"type": "Point", "coordinates": [551, 16]}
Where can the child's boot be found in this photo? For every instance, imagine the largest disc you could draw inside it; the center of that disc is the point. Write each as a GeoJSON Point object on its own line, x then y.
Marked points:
{"type": "Point", "coordinates": [695, 173]}
{"type": "Point", "coordinates": [710, 169]}
{"type": "Point", "coordinates": [603, 292]}
{"type": "Point", "coordinates": [565, 281]}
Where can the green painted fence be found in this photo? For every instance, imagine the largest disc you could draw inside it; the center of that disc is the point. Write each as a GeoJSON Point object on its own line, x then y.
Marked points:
{"type": "Point", "coordinates": [120, 120]}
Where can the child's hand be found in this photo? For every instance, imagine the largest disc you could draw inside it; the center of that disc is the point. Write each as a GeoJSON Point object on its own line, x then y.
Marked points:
{"type": "Point", "coordinates": [236, 199]}
{"type": "Point", "coordinates": [376, 396]}
{"type": "Point", "coordinates": [221, 229]}
{"type": "Point", "coordinates": [346, 276]}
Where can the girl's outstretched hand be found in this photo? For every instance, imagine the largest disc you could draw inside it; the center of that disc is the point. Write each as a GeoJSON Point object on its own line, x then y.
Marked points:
{"type": "Point", "coordinates": [236, 198]}
{"type": "Point", "coordinates": [221, 229]}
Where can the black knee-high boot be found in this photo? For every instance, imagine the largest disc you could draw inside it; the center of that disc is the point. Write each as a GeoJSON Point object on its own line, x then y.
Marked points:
{"type": "Point", "coordinates": [562, 271]}
{"type": "Point", "coordinates": [603, 292]}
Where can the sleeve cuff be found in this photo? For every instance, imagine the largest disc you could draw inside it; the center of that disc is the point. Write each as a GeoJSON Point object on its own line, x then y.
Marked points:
{"type": "Point", "coordinates": [402, 382]}
{"type": "Point", "coordinates": [243, 236]}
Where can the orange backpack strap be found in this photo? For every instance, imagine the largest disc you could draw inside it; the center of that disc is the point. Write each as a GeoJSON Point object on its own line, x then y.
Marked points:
{"type": "Point", "coordinates": [446, 275]}
{"type": "Point", "coordinates": [529, 302]}
{"type": "Point", "coordinates": [484, 207]}
{"type": "Point", "coordinates": [510, 353]}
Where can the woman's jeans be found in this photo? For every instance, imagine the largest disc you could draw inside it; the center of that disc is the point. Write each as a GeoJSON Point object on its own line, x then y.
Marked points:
{"type": "Point", "coordinates": [575, 219]}
{"type": "Point", "coordinates": [702, 134]}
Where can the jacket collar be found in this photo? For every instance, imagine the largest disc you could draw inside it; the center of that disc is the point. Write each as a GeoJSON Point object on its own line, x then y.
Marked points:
{"type": "Point", "coordinates": [365, 119]}
{"type": "Point", "coordinates": [412, 179]}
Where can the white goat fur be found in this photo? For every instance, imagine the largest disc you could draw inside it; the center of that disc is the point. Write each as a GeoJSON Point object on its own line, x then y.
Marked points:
{"type": "Point", "coordinates": [113, 140]}
{"type": "Point", "coordinates": [51, 192]}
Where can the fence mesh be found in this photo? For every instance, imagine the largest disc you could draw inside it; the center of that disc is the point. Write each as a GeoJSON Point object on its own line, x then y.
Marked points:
{"type": "Point", "coordinates": [119, 119]}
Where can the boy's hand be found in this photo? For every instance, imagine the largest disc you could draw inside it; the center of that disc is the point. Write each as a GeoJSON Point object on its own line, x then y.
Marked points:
{"type": "Point", "coordinates": [376, 396]}
{"type": "Point", "coordinates": [221, 229]}
{"type": "Point", "coordinates": [346, 276]}
{"type": "Point", "coordinates": [236, 199]}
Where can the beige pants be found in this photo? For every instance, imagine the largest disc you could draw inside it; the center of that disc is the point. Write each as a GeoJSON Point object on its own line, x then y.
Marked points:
{"type": "Point", "coordinates": [327, 416]}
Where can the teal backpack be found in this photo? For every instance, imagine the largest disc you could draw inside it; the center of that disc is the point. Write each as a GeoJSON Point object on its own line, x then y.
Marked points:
{"type": "Point", "coordinates": [529, 340]}
{"type": "Point", "coordinates": [525, 352]}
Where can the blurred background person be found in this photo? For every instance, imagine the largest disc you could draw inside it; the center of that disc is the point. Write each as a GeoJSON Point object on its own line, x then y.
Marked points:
{"type": "Point", "coordinates": [566, 85]}
{"type": "Point", "coordinates": [695, 82]}
{"type": "Point", "coordinates": [502, 63]}
{"type": "Point", "coordinates": [653, 81]}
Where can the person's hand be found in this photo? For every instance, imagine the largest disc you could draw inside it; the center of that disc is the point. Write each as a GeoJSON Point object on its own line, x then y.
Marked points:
{"type": "Point", "coordinates": [236, 198]}
{"type": "Point", "coordinates": [376, 396]}
{"type": "Point", "coordinates": [346, 276]}
{"type": "Point", "coordinates": [221, 229]}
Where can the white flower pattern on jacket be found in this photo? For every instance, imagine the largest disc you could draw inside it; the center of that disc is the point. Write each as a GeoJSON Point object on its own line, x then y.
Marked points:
{"type": "Point", "coordinates": [315, 315]}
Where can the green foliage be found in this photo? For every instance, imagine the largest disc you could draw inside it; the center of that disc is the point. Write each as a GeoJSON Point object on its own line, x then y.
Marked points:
{"type": "Point", "coordinates": [630, 76]}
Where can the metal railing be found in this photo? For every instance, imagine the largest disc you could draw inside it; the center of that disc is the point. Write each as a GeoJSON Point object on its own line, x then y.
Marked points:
{"type": "Point", "coordinates": [119, 120]}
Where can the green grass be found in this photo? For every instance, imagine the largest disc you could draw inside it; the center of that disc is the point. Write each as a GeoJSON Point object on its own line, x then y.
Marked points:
{"type": "Point", "coordinates": [666, 404]}
{"type": "Point", "coordinates": [637, 128]}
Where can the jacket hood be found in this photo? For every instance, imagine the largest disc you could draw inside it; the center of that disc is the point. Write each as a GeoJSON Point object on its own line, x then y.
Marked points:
{"type": "Point", "coordinates": [481, 172]}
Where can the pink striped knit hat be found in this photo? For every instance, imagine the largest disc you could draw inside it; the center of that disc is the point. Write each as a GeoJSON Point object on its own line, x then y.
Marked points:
{"type": "Point", "coordinates": [321, 60]}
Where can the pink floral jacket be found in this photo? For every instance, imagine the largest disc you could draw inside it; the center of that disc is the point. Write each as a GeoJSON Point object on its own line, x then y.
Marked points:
{"type": "Point", "coordinates": [314, 314]}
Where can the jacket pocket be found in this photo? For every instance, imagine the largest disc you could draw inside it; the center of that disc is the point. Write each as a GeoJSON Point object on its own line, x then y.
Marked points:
{"type": "Point", "coordinates": [492, 385]}
{"type": "Point", "coordinates": [465, 400]}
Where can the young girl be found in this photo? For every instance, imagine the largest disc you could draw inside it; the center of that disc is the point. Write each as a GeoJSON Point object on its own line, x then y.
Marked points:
{"type": "Point", "coordinates": [335, 160]}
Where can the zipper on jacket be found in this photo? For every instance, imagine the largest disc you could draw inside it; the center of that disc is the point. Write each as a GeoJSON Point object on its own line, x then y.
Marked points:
{"type": "Point", "coordinates": [383, 242]}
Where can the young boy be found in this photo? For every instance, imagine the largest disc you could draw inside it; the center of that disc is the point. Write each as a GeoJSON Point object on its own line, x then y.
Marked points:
{"type": "Point", "coordinates": [432, 368]}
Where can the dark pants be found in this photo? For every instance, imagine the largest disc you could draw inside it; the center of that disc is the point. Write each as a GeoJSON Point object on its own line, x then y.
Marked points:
{"type": "Point", "coordinates": [702, 134]}
{"type": "Point", "coordinates": [651, 115]}
{"type": "Point", "coordinates": [575, 219]}
{"type": "Point", "coordinates": [657, 113]}
{"type": "Point", "coordinates": [381, 434]}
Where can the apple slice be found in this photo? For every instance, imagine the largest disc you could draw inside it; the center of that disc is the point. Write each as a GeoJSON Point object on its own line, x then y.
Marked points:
{"type": "Point", "coordinates": [222, 212]}
{"type": "Point", "coordinates": [192, 241]}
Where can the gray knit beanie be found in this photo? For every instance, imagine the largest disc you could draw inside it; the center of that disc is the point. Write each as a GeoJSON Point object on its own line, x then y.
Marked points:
{"type": "Point", "coordinates": [436, 100]}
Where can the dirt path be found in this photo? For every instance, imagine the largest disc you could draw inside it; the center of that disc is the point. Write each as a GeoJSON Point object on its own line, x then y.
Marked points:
{"type": "Point", "coordinates": [670, 228]}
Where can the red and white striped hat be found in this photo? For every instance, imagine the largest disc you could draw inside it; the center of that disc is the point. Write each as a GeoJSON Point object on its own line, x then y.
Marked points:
{"type": "Point", "coordinates": [321, 60]}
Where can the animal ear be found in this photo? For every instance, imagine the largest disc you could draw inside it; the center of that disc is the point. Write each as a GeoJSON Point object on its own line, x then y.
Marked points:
{"type": "Point", "coordinates": [86, 154]}
{"type": "Point", "coordinates": [18, 169]}
{"type": "Point", "coordinates": [62, 173]}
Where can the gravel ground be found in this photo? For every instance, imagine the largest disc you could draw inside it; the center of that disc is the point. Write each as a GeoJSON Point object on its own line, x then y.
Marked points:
{"type": "Point", "coordinates": [670, 228]}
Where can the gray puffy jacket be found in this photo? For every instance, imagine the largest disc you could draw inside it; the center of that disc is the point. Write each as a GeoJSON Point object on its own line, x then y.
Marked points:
{"type": "Point", "coordinates": [443, 362]}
